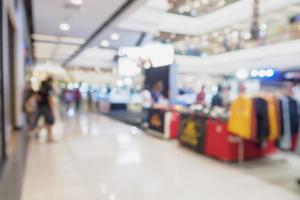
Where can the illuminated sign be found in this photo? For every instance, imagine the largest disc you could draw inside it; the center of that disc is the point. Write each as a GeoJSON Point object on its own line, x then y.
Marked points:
{"type": "Point", "coordinates": [262, 73]}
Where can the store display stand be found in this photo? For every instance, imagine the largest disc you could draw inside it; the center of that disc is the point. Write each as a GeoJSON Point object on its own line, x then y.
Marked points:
{"type": "Point", "coordinates": [155, 133]}
{"type": "Point", "coordinates": [241, 147]}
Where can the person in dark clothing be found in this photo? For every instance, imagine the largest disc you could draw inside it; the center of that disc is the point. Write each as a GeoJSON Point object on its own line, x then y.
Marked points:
{"type": "Point", "coordinates": [217, 99]}
{"type": "Point", "coordinates": [77, 98]}
{"type": "Point", "coordinates": [46, 107]}
{"type": "Point", "coordinates": [90, 99]}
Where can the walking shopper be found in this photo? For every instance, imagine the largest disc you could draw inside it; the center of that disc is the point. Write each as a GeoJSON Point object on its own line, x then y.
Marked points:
{"type": "Point", "coordinates": [46, 107]}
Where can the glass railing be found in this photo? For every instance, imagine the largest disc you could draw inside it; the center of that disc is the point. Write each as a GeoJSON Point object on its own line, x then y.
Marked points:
{"type": "Point", "coordinates": [279, 26]}
{"type": "Point", "coordinates": [195, 8]}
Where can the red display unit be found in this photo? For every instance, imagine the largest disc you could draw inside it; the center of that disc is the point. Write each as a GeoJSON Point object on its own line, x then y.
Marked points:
{"type": "Point", "coordinates": [163, 123]}
{"type": "Point", "coordinates": [222, 145]}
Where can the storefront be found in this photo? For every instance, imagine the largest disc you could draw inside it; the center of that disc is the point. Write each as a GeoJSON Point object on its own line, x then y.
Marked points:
{"type": "Point", "coordinates": [2, 144]}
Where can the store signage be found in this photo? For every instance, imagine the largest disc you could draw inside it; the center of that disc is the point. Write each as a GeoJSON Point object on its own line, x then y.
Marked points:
{"type": "Point", "coordinates": [262, 73]}
{"type": "Point", "coordinates": [156, 120]}
{"type": "Point", "coordinates": [292, 76]}
{"type": "Point", "coordinates": [192, 131]}
{"type": "Point", "coordinates": [295, 19]}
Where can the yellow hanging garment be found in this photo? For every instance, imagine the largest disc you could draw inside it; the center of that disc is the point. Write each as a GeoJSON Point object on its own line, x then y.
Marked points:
{"type": "Point", "coordinates": [241, 117]}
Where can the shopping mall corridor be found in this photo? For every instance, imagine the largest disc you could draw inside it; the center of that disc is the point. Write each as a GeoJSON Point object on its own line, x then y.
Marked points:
{"type": "Point", "coordinates": [96, 157]}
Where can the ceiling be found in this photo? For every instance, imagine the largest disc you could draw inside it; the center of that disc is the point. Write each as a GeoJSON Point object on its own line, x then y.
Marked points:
{"type": "Point", "coordinates": [53, 44]}
{"type": "Point", "coordinates": [143, 20]}
{"type": "Point", "coordinates": [145, 16]}
{"type": "Point", "coordinates": [48, 14]}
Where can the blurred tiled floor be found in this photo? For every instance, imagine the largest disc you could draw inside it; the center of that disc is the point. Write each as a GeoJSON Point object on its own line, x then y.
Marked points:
{"type": "Point", "coordinates": [98, 158]}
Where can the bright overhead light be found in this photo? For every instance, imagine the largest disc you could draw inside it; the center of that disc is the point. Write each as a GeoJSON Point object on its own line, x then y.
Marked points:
{"type": "Point", "coordinates": [247, 36]}
{"type": "Point", "coordinates": [64, 27]}
{"type": "Point", "coordinates": [215, 34]}
{"type": "Point", "coordinates": [220, 39]}
{"type": "Point", "coordinates": [221, 3]}
{"type": "Point", "coordinates": [254, 73]}
{"type": "Point", "coordinates": [181, 10]}
{"type": "Point", "coordinates": [120, 83]}
{"type": "Point", "coordinates": [105, 43]}
{"type": "Point", "coordinates": [263, 26]}
{"type": "Point", "coordinates": [147, 65]}
{"type": "Point", "coordinates": [197, 4]}
{"type": "Point", "coordinates": [115, 36]}
{"type": "Point", "coordinates": [173, 36]}
{"type": "Point", "coordinates": [187, 8]}
{"type": "Point", "coordinates": [76, 2]}
{"type": "Point", "coordinates": [205, 1]}
{"type": "Point", "coordinates": [270, 73]}
{"type": "Point", "coordinates": [262, 73]}
{"type": "Point", "coordinates": [242, 74]}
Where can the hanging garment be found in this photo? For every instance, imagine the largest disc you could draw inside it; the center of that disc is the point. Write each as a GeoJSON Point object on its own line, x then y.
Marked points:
{"type": "Point", "coordinates": [273, 117]}
{"type": "Point", "coordinates": [262, 118]}
{"type": "Point", "coordinates": [286, 138]}
{"type": "Point", "coordinates": [241, 117]}
{"type": "Point", "coordinates": [294, 119]}
{"type": "Point", "coordinates": [298, 142]}
{"type": "Point", "coordinates": [281, 130]}
{"type": "Point", "coordinates": [294, 116]}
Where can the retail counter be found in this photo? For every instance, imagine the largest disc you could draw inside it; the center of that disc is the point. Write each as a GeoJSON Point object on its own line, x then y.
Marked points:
{"type": "Point", "coordinates": [205, 134]}
{"type": "Point", "coordinates": [163, 122]}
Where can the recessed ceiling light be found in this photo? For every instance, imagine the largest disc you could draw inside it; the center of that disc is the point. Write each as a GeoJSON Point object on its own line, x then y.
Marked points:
{"type": "Point", "coordinates": [181, 10]}
{"type": "Point", "coordinates": [197, 4]}
{"type": "Point", "coordinates": [105, 43]}
{"type": "Point", "coordinates": [64, 27]}
{"type": "Point", "coordinates": [173, 36]}
{"type": "Point", "coordinates": [115, 36]}
{"type": "Point", "coordinates": [76, 2]}
{"type": "Point", "coordinates": [205, 1]}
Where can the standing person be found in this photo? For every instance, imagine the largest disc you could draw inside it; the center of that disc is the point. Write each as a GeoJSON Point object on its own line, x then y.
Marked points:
{"type": "Point", "coordinates": [156, 92]}
{"type": "Point", "coordinates": [46, 107]}
{"type": "Point", "coordinates": [62, 100]}
{"type": "Point", "coordinates": [146, 103]}
{"type": "Point", "coordinates": [217, 99]}
{"type": "Point", "coordinates": [90, 99]}
{"type": "Point", "coordinates": [68, 99]}
{"type": "Point", "coordinates": [77, 98]}
{"type": "Point", "coordinates": [226, 96]}
{"type": "Point", "coordinates": [201, 96]}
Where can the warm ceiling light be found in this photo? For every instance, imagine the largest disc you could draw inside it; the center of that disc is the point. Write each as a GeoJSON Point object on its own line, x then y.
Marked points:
{"type": "Point", "coordinates": [115, 36]}
{"type": "Point", "coordinates": [76, 2]}
{"type": "Point", "coordinates": [173, 36]}
{"type": "Point", "coordinates": [105, 43]}
{"type": "Point", "coordinates": [205, 1]}
{"type": "Point", "coordinates": [64, 27]}
{"type": "Point", "coordinates": [197, 4]}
